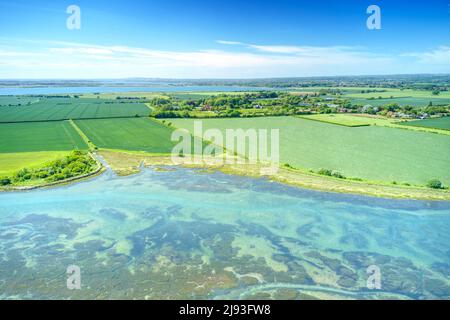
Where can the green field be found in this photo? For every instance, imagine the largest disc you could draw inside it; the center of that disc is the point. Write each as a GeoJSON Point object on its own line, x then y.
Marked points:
{"type": "Point", "coordinates": [17, 100]}
{"type": "Point", "coordinates": [39, 136]}
{"type": "Point", "coordinates": [340, 119]}
{"type": "Point", "coordinates": [13, 162]}
{"type": "Point", "coordinates": [402, 101]}
{"type": "Point", "coordinates": [71, 108]}
{"type": "Point", "coordinates": [414, 98]}
{"type": "Point", "coordinates": [436, 123]}
{"type": "Point", "coordinates": [372, 153]}
{"type": "Point", "coordinates": [398, 93]}
{"type": "Point", "coordinates": [128, 134]}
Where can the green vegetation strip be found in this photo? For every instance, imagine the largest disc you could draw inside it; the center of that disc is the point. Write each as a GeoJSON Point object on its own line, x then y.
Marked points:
{"type": "Point", "coordinates": [339, 119]}
{"type": "Point", "coordinates": [125, 163]}
{"type": "Point", "coordinates": [77, 163]}
{"type": "Point", "coordinates": [12, 162]}
{"type": "Point", "coordinates": [83, 136]}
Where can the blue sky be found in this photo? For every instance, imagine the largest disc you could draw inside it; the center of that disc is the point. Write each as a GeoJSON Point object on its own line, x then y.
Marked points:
{"type": "Point", "coordinates": [222, 39]}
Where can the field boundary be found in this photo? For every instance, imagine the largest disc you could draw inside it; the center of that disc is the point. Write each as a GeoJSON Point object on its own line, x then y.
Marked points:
{"type": "Point", "coordinates": [335, 123]}
{"type": "Point", "coordinates": [67, 119]}
{"type": "Point", "coordinates": [86, 139]}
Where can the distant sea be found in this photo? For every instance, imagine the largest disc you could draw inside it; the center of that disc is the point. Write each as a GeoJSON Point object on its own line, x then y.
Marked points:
{"type": "Point", "coordinates": [113, 89]}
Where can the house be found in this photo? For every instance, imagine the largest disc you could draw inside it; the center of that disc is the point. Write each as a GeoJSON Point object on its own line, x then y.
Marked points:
{"type": "Point", "coordinates": [366, 108]}
{"type": "Point", "coordinates": [206, 107]}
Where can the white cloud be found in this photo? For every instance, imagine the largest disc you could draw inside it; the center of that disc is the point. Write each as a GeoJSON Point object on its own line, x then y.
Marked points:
{"type": "Point", "coordinates": [78, 60]}
{"type": "Point", "coordinates": [87, 50]}
{"type": "Point", "coordinates": [279, 49]}
{"type": "Point", "coordinates": [440, 55]}
{"type": "Point", "coordinates": [229, 42]}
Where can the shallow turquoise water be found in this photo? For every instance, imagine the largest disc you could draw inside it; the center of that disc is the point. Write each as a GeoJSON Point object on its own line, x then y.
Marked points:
{"type": "Point", "coordinates": [185, 233]}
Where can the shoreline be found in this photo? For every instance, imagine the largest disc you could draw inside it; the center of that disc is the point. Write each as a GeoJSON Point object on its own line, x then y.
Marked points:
{"type": "Point", "coordinates": [125, 163]}
{"type": "Point", "coordinates": [98, 171]}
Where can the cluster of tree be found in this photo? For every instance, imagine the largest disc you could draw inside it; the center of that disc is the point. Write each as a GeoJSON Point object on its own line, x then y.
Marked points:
{"type": "Point", "coordinates": [272, 103]}
{"type": "Point", "coordinates": [75, 164]}
{"type": "Point", "coordinates": [265, 103]}
{"type": "Point", "coordinates": [130, 98]}
{"type": "Point", "coordinates": [435, 184]}
{"type": "Point", "coordinates": [331, 173]}
{"type": "Point", "coordinates": [395, 108]}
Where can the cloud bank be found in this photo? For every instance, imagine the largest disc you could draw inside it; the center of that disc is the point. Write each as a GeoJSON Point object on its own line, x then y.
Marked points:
{"type": "Point", "coordinates": [235, 60]}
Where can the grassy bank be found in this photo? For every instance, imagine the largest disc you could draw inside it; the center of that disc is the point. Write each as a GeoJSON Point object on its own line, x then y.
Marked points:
{"type": "Point", "coordinates": [125, 163]}
{"type": "Point", "coordinates": [13, 162]}
{"type": "Point", "coordinates": [73, 167]}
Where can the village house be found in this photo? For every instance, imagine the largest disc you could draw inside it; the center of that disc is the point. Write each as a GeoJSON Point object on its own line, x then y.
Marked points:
{"type": "Point", "coordinates": [206, 107]}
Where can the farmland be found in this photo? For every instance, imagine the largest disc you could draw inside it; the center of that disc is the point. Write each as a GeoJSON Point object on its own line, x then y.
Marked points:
{"type": "Point", "coordinates": [353, 142]}
{"type": "Point", "coordinates": [402, 101]}
{"type": "Point", "coordinates": [70, 108]}
{"type": "Point", "coordinates": [436, 123]}
{"type": "Point", "coordinates": [372, 153]}
{"type": "Point", "coordinates": [340, 119]}
{"type": "Point", "coordinates": [413, 98]}
{"type": "Point", "coordinates": [39, 136]}
{"type": "Point", "coordinates": [13, 162]}
{"type": "Point", "coordinates": [17, 100]}
{"type": "Point", "coordinates": [383, 96]}
{"type": "Point", "coordinates": [128, 134]}
{"type": "Point", "coordinates": [390, 92]}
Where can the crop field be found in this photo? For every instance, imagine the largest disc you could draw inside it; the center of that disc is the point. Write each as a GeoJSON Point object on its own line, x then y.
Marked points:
{"type": "Point", "coordinates": [340, 119]}
{"type": "Point", "coordinates": [383, 96]}
{"type": "Point", "coordinates": [414, 98]}
{"type": "Point", "coordinates": [387, 93]}
{"type": "Point", "coordinates": [372, 152]}
{"type": "Point", "coordinates": [68, 108]}
{"type": "Point", "coordinates": [436, 123]}
{"type": "Point", "coordinates": [128, 134]}
{"type": "Point", "coordinates": [402, 101]}
{"type": "Point", "coordinates": [39, 136]}
{"type": "Point", "coordinates": [17, 100]}
{"type": "Point", "coordinates": [13, 162]}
